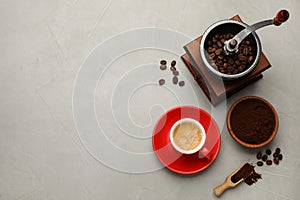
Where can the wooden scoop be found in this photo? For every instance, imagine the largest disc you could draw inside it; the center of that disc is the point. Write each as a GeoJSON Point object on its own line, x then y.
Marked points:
{"type": "Point", "coordinates": [228, 183]}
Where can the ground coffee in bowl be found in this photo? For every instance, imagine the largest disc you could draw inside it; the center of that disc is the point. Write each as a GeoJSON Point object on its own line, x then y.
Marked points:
{"type": "Point", "coordinates": [252, 122]}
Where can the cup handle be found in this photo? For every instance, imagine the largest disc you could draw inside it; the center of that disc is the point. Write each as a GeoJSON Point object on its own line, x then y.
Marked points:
{"type": "Point", "coordinates": [205, 153]}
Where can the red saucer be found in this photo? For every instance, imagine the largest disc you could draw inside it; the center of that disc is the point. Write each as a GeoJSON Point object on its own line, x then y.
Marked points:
{"type": "Point", "coordinates": [172, 159]}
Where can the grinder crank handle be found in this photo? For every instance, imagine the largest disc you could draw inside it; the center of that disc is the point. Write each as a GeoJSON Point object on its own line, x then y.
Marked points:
{"type": "Point", "coordinates": [231, 46]}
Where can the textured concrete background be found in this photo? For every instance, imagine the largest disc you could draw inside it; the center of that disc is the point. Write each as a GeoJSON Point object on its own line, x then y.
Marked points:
{"type": "Point", "coordinates": [42, 46]}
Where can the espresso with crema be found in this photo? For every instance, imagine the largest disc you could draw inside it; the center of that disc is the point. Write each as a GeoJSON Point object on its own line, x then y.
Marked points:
{"type": "Point", "coordinates": [187, 136]}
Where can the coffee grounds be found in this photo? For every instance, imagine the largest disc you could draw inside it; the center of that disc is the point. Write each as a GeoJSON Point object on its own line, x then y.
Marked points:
{"type": "Point", "coordinates": [243, 173]}
{"type": "Point", "coordinates": [252, 121]}
{"type": "Point", "coordinates": [253, 178]}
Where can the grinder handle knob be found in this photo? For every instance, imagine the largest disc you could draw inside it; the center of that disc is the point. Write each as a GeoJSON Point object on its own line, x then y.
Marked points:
{"type": "Point", "coordinates": [281, 17]}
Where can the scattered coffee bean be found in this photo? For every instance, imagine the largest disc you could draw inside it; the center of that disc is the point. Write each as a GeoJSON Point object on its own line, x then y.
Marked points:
{"type": "Point", "coordinates": [259, 155]}
{"type": "Point", "coordinates": [175, 73]}
{"type": "Point", "coordinates": [175, 80]}
{"type": "Point", "coordinates": [277, 157]}
{"type": "Point", "coordinates": [161, 81]}
{"type": "Point", "coordinates": [163, 62]}
{"type": "Point", "coordinates": [232, 64]}
{"type": "Point", "coordinates": [280, 156]}
{"type": "Point", "coordinates": [163, 67]}
{"type": "Point", "coordinates": [173, 63]}
{"type": "Point", "coordinates": [181, 83]}
{"type": "Point", "coordinates": [260, 163]}
{"type": "Point", "coordinates": [269, 162]}
{"type": "Point", "coordinates": [276, 161]}
{"type": "Point", "coordinates": [264, 157]}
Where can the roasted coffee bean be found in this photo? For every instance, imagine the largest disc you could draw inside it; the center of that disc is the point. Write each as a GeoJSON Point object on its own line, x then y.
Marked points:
{"type": "Point", "coordinates": [173, 68]}
{"type": "Point", "coordinates": [276, 161]}
{"type": "Point", "coordinates": [214, 39]}
{"type": "Point", "coordinates": [173, 63]}
{"type": "Point", "coordinates": [277, 150]}
{"type": "Point", "coordinates": [275, 155]}
{"type": "Point", "coordinates": [219, 43]}
{"type": "Point", "coordinates": [245, 51]}
{"type": "Point", "coordinates": [242, 58]}
{"type": "Point", "coordinates": [175, 73]}
{"type": "Point", "coordinates": [259, 155]}
{"type": "Point", "coordinates": [163, 67]}
{"type": "Point", "coordinates": [260, 163]}
{"type": "Point", "coordinates": [161, 81]}
{"type": "Point", "coordinates": [212, 55]}
{"type": "Point", "coordinates": [175, 80]}
{"type": "Point", "coordinates": [250, 58]}
{"type": "Point", "coordinates": [241, 68]}
{"type": "Point", "coordinates": [268, 152]}
{"type": "Point", "coordinates": [181, 83]}
{"type": "Point", "coordinates": [163, 62]}
{"type": "Point", "coordinates": [218, 51]}
{"type": "Point", "coordinates": [264, 157]}
{"type": "Point", "coordinates": [280, 156]}
{"type": "Point", "coordinates": [269, 162]}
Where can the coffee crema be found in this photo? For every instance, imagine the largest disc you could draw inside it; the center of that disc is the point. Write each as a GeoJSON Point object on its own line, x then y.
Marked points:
{"type": "Point", "coordinates": [187, 136]}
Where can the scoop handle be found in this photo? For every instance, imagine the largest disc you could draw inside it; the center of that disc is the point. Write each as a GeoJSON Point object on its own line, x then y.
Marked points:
{"type": "Point", "coordinates": [221, 188]}
{"type": "Point", "coordinates": [281, 16]}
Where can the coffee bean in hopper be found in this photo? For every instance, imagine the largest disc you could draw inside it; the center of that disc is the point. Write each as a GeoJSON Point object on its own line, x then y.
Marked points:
{"type": "Point", "coordinates": [229, 64]}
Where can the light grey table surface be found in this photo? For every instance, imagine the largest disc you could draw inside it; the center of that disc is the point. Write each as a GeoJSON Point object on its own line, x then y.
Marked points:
{"type": "Point", "coordinates": [43, 45]}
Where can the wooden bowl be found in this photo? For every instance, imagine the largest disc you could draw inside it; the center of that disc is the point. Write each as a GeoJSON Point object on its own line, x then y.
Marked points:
{"type": "Point", "coordinates": [243, 143]}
